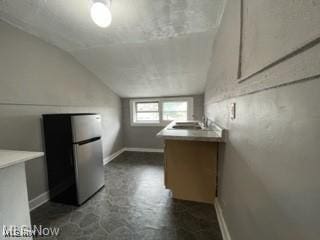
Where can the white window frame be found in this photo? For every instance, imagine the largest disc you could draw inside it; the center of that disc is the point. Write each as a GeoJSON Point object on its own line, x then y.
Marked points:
{"type": "Point", "coordinates": [161, 122]}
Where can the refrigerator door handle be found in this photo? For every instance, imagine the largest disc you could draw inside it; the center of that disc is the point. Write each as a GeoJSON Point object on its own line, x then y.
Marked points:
{"type": "Point", "coordinates": [88, 141]}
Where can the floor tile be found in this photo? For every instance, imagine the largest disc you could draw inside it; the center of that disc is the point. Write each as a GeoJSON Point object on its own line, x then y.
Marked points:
{"type": "Point", "coordinates": [133, 205]}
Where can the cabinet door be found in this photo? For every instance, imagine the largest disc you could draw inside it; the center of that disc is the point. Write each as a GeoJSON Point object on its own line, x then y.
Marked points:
{"type": "Point", "coordinates": [191, 170]}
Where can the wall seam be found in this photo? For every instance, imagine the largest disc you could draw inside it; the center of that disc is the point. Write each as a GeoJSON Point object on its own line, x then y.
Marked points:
{"type": "Point", "coordinates": [290, 54]}
{"type": "Point", "coordinates": [302, 80]}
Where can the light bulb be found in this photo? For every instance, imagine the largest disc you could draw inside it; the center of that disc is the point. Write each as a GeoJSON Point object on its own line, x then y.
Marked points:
{"type": "Point", "coordinates": [101, 14]}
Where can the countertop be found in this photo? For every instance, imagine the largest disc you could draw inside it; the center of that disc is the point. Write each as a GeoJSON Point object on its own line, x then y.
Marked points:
{"type": "Point", "coordinates": [10, 157]}
{"type": "Point", "coordinates": [212, 134]}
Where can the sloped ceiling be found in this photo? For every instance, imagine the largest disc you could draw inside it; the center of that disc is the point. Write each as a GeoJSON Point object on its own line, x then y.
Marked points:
{"type": "Point", "coordinates": [152, 48]}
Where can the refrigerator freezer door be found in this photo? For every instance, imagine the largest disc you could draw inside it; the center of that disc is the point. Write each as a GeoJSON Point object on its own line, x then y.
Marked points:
{"type": "Point", "coordinates": [89, 169]}
{"type": "Point", "coordinates": [85, 127]}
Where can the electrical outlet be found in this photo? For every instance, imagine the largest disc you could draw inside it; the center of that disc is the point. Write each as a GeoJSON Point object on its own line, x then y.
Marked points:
{"type": "Point", "coordinates": [233, 111]}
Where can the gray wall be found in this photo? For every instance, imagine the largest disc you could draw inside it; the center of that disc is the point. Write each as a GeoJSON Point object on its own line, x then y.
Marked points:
{"type": "Point", "coordinates": [144, 136]}
{"type": "Point", "coordinates": [269, 182]}
{"type": "Point", "coordinates": [38, 78]}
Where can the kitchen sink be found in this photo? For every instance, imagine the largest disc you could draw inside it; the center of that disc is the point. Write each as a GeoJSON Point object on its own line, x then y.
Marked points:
{"type": "Point", "coordinates": [187, 125]}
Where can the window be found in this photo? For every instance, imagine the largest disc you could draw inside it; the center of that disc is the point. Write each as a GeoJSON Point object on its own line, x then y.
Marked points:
{"type": "Point", "coordinates": [147, 112]}
{"type": "Point", "coordinates": [159, 112]}
{"type": "Point", "coordinates": [174, 110]}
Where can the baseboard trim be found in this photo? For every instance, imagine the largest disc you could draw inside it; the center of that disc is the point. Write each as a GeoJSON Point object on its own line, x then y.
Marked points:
{"type": "Point", "coordinates": [45, 197]}
{"type": "Point", "coordinates": [222, 223]}
{"type": "Point", "coordinates": [112, 156]}
{"type": "Point", "coordinates": [39, 200]}
{"type": "Point", "coordinates": [157, 150]}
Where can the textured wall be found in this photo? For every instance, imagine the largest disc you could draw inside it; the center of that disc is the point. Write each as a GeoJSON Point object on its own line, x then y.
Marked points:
{"type": "Point", "coordinates": [37, 78]}
{"type": "Point", "coordinates": [269, 185]}
{"type": "Point", "coordinates": [145, 137]}
{"type": "Point", "coordinates": [222, 76]}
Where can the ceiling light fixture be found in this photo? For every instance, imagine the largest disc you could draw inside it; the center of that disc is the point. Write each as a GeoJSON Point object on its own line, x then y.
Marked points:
{"type": "Point", "coordinates": [100, 12]}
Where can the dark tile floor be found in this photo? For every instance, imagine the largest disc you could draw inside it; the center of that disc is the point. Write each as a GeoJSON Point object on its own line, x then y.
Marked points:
{"type": "Point", "coordinates": [133, 205]}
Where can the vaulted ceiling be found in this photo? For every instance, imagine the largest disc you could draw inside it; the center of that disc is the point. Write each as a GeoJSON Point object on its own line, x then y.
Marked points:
{"type": "Point", "coordinates": [152, 48]}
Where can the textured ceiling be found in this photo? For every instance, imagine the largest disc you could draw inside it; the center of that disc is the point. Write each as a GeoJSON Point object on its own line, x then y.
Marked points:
{"type": "Point", "coordinates": [152, 48]}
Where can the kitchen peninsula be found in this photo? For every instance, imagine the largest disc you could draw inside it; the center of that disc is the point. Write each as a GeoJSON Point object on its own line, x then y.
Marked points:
{"type": "Point", "coordinates": [191, 154]}
{"type": "Point", "coordinates": [14, 204]}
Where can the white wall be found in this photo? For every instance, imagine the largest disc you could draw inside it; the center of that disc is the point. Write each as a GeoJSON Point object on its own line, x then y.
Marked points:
{"type": "Point", "coordinates": [269, 182]}
{"type": "Point", "coordinates": [38, 78]}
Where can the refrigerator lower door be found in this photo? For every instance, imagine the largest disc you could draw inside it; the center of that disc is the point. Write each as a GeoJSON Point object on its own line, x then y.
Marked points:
{"type": "Point", "coordinates": [89, 169]}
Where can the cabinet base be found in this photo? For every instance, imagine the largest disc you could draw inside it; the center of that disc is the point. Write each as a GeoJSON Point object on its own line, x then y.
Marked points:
{"type": "Point", "coordinates": [191, 170]}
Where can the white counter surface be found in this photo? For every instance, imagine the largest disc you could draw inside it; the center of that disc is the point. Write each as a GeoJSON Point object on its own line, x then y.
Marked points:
{"type": "Point", "coordinates": [214, 134]}
{"type": "Point", "coordinates": [10, 157]}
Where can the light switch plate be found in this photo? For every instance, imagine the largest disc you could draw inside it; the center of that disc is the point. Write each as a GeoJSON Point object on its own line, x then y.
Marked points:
{"type": "Point", "coordinates": [233, 111]}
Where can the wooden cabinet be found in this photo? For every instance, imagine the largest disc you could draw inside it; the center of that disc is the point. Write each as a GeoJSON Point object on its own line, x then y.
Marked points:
{"type": "Point", "coordinates": [191, 169]}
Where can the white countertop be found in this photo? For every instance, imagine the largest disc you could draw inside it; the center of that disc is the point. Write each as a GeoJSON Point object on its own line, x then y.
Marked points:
{"type": "Point", "coordinates": [10, 157]}
{"type": "Point", "coordinates": [214, 134]}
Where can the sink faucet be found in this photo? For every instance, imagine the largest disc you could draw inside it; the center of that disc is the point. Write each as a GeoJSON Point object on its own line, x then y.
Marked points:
{"type": "Point", "coordinates": [205, 121]}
